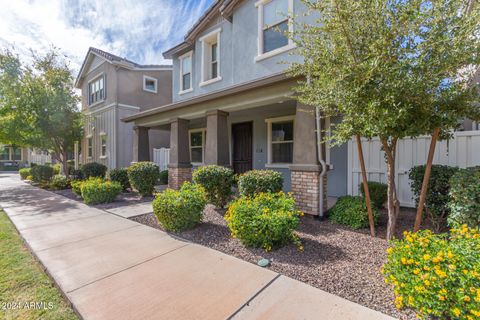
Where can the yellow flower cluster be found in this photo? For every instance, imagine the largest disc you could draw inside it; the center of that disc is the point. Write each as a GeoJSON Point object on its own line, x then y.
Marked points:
{"type": "Point", "coordinates": [436, 270]}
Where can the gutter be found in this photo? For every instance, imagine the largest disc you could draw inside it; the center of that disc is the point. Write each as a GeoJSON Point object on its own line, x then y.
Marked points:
{"type": "Point", "coordinates": [320, 159]}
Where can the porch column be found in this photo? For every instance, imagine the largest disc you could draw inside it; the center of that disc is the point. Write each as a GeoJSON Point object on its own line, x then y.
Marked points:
{"type": "Point", "coordinates": [179, 167]}
{"type": "Point", "coordinates": [216, 144]}
{"type": "Point", "coordinates": [141, 144]}
{"type": "Point", "coordinates": [305, 169]}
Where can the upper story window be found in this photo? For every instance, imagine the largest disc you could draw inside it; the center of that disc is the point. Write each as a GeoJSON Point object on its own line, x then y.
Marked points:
{"type": "Point", "coordinates": [96, 90]}
{"type": "Point", "coordinates": [210, 57]}
{"type": "Point", "coordinates": [149, 84]}
{"type": "Point", "coordinates": [273, 27]}
{"type": "Point", "coordinates": [280, 140]}
{"type": "Point", "coordinates": [186, 72]}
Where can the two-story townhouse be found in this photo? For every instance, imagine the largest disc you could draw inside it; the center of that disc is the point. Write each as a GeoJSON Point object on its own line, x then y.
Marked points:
{"type": "Point", "coordinates": [232, 102]}
{"type": "Point", "coordinates": [114, 88]}
{"type": "Point", "coordinates": [233, 106]}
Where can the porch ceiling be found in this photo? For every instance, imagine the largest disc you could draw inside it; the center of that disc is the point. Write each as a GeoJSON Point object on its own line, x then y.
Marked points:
{"type": "Point", "coordinates": [255, 97]}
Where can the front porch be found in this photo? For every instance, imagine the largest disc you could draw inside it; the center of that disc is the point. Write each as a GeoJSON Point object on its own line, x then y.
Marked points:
{"type": "Point", "coordinates": [263, 128]}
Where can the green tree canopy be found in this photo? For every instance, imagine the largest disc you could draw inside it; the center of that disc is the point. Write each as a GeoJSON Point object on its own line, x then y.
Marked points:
{"type": "Point", "coordinates": [38, 104]}
{"type": "Point", "coordinates": [391, 68]}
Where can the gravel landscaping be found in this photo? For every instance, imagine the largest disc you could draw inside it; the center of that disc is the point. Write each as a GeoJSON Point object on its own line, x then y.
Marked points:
{"type": "Point", "coordinates": [336, 259]}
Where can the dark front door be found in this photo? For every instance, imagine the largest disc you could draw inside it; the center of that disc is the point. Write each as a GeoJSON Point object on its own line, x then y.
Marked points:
{"type": "Point", "coordinates": [242, 147]}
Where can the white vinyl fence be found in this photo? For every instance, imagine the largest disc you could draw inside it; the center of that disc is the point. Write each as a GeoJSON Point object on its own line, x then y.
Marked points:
{"type": "Point", "coordinates": [463, 150]}
{"type": "Point", "coordinates": [39, 157]}
{"type": "Point", "coordinates": [161, 157]}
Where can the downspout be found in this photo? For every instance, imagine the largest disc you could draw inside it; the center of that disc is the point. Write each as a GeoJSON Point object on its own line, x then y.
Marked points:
{"type": "Point", "coordinates": [320, 159]}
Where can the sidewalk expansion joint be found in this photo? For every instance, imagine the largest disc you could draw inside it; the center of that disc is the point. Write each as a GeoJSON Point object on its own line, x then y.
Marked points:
{"type": "Point", "coordinates": [88, 238]}
{"type": "Point", "coordinates": [130, 267]}
{"type": "Point", "coordinates": [59, 222]}
{"type": "Point", "coordinates": [253, 297]}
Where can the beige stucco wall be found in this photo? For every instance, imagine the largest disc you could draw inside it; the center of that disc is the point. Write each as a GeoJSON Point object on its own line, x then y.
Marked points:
{"type": "Point", "coordinates": [124, 97]}
{"type": "Point", "coordinates": [130, 88]}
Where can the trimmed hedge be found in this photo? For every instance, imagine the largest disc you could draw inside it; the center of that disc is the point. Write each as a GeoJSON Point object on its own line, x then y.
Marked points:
{"type": "Point", "coordinates": [436, 202]}
{"type": "Point", "coordinates": [93, 169]}
{"type": "Point", "coordinates": [378, 193]}
{"type": "Point", "coordinates": [266, 220]}
{"type": "Point", "coordinates": [77, 187]}
{"type": "Point", "coordinates": [120, 175]}
{"type": "Point", "coordinates": [143, 176]}
{"type": "Point", "coordinates": [217, 181]}
{"type": "Point", "coordinates": [24, 173]}
{"type": "Point", "coordinates": [465, 198]}
{"type": "Point", "coordinates": [257, 181]}
{"type": "Point", "coordinates": [182, 209]}
{"type": "Point", "coordinates": [59, 182]}
{"type": "Point", "coordinates": [96, 190]}
{"type": "Point", "coordinates": [351, 211]}
{"type": "Point", "coordinates": [41, 173]}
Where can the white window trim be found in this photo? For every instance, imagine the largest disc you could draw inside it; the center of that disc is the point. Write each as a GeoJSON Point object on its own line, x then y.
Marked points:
{"type": "Point", "coordinates": [203, 39]}
{"type": "Point", "coordinates": [204, 136]}
{"type": "Point", "coordinates": [11, 154]}
{"type": "Point", "coordinates": [154, 80]}
{"type": "Point", "coordinates": [291, 45]}
{"type": "Point", "coordinates": [180, 59]}
{"type": "Point", "coordinates": [269, 122]}
{"type": "Point", "coordinates": [88, 147]}
{"type": "Point", "coordinates": [98, 76]}
{"type": "Point", "coordinates": [103, 156]}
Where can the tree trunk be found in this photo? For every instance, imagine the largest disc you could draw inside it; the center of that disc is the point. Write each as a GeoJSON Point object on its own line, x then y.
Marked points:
{"type": "Point", "coordinates": [426, 179]}
{"type": "Point", "coordinates": [365, 186]}
{"type": "Point", "coordinates": [393, 205]}
{"type": "Point", "coordinates": [64, 163]}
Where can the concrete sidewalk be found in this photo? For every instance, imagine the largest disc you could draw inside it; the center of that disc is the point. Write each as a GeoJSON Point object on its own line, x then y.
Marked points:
{"type": "Point", "coordinates": [113, 268]}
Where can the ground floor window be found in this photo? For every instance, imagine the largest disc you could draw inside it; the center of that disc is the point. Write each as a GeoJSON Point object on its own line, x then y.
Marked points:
{"type": "Point", "coordinates": [90, 147]}
{"type": "Point", "coordinates": [280, 140]}
{"type": "Point", "coordinates": [103, 139]}
{"type": "Point", "coordinates": [197, 145]}
{"type": "Point", "coordinates": [9, 153]}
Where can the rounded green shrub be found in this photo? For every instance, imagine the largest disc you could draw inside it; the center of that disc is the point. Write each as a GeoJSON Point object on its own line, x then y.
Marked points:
{"type": "Point", "coordinates": [257, 181]}
{"type": "Point", "coordinates": [59, 182]}
{"type": "Point", "coordinates": [24, 173]}
{"type": "Point", "coordinates": [465, 198]}
{"type": "Point", "coordinates": [57, 168]}
{"type": "Point", "coordinates": [143, 176]}
{"type": "Point", "coordinates": [93, 169]}
{"type": "Point", "coordinates": [266, 220]}
{"type": "Point", "coordinates": [120, 175]}
{"type": "Point", "coordinates": [351, 211]}
{"type": "Point", "coordinates": [378, 193]}
{"type": "Point", "coordinates": [217, 181]}
{"type": "Point", "coordinates": [77, 187]}
{"type": "Point", "coordinates": [437, 199]}
{"type": "Point", "coordinates": [76, 174]}
{"type": "Point", "coordinates": [163, 179]}
{"type": "Point", "coordinates": [182, 209]}
{"type": "Point", "coordinates": [41, 173]}
{"type": "Point", "coordinates": [96, 190]}
{"type": "Point", "coordinates": [436, 275]}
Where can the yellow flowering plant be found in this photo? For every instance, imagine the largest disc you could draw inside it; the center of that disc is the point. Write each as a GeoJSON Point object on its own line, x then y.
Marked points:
{"type": "Point", "coordinates": [267, 220]}
{"type": "Point", "coordinates": [437, 275]}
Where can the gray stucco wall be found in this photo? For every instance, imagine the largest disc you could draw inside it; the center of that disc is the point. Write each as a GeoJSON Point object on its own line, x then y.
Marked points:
{"type": "Point", "coordinates": [259, 133]}
{"type": "Point", "coordinates": [238, 49]}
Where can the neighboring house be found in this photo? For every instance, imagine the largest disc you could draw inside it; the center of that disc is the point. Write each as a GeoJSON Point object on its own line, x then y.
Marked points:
{"type": "Point", "coordinates": [12, 158]}
{"type": "Point", "coordinates": [114, 88]}
{"type": "Point", "coordinates": [233, 106]}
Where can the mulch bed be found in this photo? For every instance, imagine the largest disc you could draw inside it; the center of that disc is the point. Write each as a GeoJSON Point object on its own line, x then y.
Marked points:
{"type": "Point", "coordinates": [336, 259]}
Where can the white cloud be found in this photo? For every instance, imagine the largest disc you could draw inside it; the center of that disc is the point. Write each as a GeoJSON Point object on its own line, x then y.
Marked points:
{"type": "Point", "coordinates": [137, 29]}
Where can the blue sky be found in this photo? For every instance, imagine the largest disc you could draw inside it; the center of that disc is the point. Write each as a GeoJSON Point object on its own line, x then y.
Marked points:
{"type": "Point", "coordinates": [139, 30]}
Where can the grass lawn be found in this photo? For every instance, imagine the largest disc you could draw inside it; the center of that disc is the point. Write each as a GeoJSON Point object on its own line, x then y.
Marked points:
{"type": "Point", "coordinates": [23, 284]}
